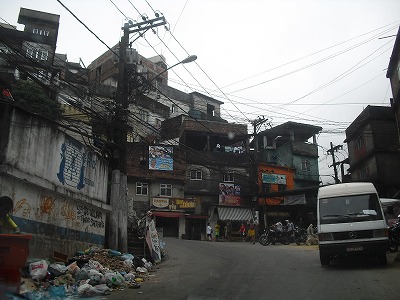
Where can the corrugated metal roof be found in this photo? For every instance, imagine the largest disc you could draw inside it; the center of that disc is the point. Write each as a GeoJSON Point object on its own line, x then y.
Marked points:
{"type": "Point", "coordinates": [235, 214]}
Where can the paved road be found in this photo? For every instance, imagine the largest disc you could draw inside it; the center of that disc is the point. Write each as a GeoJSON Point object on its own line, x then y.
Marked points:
{"type": "Point", "coordinates": [237, 270]}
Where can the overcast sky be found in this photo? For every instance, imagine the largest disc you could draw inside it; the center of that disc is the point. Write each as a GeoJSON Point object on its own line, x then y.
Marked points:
{"type": "Point", "coordinates": [319, 62]}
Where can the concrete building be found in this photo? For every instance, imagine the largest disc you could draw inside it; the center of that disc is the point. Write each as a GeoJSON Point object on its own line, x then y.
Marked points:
{"type": "Point", "coordinates": [393, 73]}
{"type": "Point", "coordinates": [288, 173]}
{"type": "Point", "coordinates": [372, 143]}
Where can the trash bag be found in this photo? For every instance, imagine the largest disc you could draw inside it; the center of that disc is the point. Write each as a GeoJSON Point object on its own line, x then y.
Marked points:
{"type": "Point", "coordinates": [57, 270]}
{"type": "Point", "coordinates": [102, 289]}
{"type": "Point", "coordinates": [38, 269]}
{"type": "Point", "coordinates": [86, 290]}
{"type": "Point", "coordinates": [114, 279]}
{"type": "Point", "coordinates": [127, 256]}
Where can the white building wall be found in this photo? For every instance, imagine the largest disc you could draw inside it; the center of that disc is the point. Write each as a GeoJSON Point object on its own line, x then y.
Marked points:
{"type": "Point", "coordinates": [58, 186]}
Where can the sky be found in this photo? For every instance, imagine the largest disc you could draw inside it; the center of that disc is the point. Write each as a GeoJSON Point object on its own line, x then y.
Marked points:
{"type": "Point", "coordinates": [318, 62]}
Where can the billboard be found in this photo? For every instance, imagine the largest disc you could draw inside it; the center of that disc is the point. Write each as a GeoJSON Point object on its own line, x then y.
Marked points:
{"type": "Point", "coordinates": [229, 194]}
{"type": "Point", "coordinates": [160, 158]}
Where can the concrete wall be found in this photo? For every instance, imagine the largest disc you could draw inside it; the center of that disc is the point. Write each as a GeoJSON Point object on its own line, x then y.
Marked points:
{"type": "Point", "coordinates": [58, 185]}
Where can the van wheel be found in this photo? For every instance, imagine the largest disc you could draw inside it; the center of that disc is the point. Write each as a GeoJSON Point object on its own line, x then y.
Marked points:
{"type": "Point", "coordinates": [382, 258]}
{"type": "Point", "coordinates": [324, 259]}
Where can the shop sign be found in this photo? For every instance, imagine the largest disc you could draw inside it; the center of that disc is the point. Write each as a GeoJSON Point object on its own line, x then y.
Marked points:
{"type": "Point", "coordinates": [273, 178]}
{"type": "Point", "coordinates": [182, 204]}
{"type": "Point", "coordinates": [160, 202]}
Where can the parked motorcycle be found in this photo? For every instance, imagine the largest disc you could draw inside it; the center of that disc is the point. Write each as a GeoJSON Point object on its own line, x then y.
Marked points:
{"type": "Point", "coordinates": [394, 237]}
{"type": "Point", "coordinates": [300, 235]}
{"type": "Point", "coordinates": [271, 236]}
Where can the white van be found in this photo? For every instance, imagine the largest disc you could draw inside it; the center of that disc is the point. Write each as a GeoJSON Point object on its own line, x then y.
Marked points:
{"type": "Point", "coordinates": [350, 222]}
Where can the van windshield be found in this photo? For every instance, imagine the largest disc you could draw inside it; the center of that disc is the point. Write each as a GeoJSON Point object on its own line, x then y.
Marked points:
{"type": "Point", "coordinates": [346, 209]}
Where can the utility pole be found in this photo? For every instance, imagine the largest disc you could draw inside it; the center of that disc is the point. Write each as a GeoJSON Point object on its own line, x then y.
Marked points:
{"type": "Point", "coordinates": [334, 163]}
{"type": "Point", "coordinates": [256, 124]}
{"type": "Point", "coordinates": [118, 222]}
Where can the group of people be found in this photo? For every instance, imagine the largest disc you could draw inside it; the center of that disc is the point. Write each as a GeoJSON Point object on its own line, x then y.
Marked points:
{"type": "Point", "coordinates": [246, 232]}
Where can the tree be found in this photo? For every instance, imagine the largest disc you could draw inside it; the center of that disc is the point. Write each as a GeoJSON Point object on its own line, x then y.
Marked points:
{"type": "Point", "coordinates": [33, 98]}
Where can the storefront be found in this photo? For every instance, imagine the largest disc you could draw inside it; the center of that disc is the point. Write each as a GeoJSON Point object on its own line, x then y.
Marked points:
{"type": "Point", "coordinates": [171, 217]}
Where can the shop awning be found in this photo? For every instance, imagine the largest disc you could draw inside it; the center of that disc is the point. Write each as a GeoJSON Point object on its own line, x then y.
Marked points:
{"type": "Point", "coordinates": [235, 214]}
{"type": "Point", "coordinates": [168, 214]}
{"type": "Point", "coordinates": [196, 217]}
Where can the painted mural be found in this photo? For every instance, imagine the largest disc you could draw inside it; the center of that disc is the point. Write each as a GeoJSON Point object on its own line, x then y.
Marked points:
{"type": "Point", "coordinates": [74, 160]}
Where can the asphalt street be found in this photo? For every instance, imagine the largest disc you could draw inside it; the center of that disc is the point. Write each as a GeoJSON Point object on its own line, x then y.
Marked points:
{"type": "Point", "coordinates": [236, 270]}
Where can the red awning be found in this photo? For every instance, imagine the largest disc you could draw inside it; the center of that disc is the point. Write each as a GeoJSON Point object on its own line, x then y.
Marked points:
{"type": "Point", "coordinates": [196, 217]}
{"type": "Point", "coordinates": [168, 214]}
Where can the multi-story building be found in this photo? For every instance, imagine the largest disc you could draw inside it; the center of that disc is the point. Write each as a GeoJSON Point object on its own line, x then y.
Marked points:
{"type": "Point", "coordinates": [288, 173]}
{"type": "Point", "coordinates": [393, 73]}
{"type": "Point", "coordinates": [372, 141]}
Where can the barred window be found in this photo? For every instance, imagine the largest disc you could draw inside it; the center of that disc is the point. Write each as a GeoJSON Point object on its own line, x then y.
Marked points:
{"type": "Point", "coordinates": [142, 188]}
{"type": "Point", "coordinates": [196, 174]}
{"type": "Point", "coordinates": [166, 190]}
{"type": "Point", "coordinates": [228, 176]}
{"type": "Point", "coordinates": [40, 54]}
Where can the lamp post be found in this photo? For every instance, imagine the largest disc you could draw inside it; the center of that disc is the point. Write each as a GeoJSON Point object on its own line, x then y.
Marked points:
{"type": "Point", "coordinates": [188, 59]}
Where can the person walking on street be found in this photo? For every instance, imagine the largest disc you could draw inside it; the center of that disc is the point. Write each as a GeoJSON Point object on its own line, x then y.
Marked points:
{"type": "Point", "coordinates": [242, 231]}
{"type": "Point", "coordinates": [209, 232]}
{"type": "Point", "coordinates": [251, 232]}
{"type": "Point", "coordinates": [217, 230]}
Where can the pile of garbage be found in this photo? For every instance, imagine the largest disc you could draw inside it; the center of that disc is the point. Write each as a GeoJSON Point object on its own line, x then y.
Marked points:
{"type": "Point", "coordinates": [90, 273]}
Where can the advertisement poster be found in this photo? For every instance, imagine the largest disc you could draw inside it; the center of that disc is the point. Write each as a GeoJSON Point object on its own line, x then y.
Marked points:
{"type": "Point", "coordinates": [152, 240]}
{"type": "Point", "coordinates": [229, 194]}
{"type": "Point", "coordinates": [160, 158]}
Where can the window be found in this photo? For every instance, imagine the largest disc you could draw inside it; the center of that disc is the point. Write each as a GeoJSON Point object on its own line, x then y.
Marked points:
{"type": "Point", "coordinates": [196, 174]}
{"type": "Point", "coordinates": [360, 142]}
{"type": "Point", "coordinates": [41, 32]}
{"type": "Point", "coordinates": [40, 54]}
{"type": "Point", "coordinates": [166, 190]}
{"type": "Point", "coordinates": [158, 124]}
{"type": "Point", "coordinates": [281, 187]}
{"type": "Point", "coordinates": [144, 115]}
{"type": "Point", "coordinates": [228, 177]}
{"type": "Point", "coordinates": [173, 108]}
{"type": "Point", "coordinates": [142, 188]}
{"type": "Point", "coordinates": [305, 165]}
{"type": "Point", "coordinates": [210, 110]}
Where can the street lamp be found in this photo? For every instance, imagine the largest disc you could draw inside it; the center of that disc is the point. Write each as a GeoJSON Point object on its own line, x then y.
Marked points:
{"type": "Point", "coordinates": [188, 59]}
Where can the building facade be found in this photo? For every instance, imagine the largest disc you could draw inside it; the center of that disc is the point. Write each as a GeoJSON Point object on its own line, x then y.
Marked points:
{"type": "Point", "coordinates": [372, 142]}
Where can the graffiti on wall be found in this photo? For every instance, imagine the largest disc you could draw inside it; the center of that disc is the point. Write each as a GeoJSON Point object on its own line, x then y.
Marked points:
{"type": "Point", "coordinates": [92, 217]}
{"type": "Point", "coordinates": [62, 212]}
{"type": "Point", "coordinates": [23, 207]}
{"type": "Point", "coordinates": [74, 161]}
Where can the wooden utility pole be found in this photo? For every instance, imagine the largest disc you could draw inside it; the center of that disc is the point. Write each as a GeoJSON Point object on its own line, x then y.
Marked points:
{"type": "Point", "coordinates": [118, 221]}
{"type": "Point", "coordinates": [334, 163]}
{"type": "Point", "coordinates": [256, 124]}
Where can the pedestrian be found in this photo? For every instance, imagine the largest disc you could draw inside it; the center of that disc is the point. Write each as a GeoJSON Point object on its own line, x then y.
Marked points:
{"type": "Point", "coordinates": [251, 232]}
{"type": "Point", "coordinates": [7, 225]}
{"type": "Point", "coordinates": [242, 231]}
{"type": "Point", "coordinates": [209, 232]}
{"type": "Point", "coordinates": [217, 230]}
